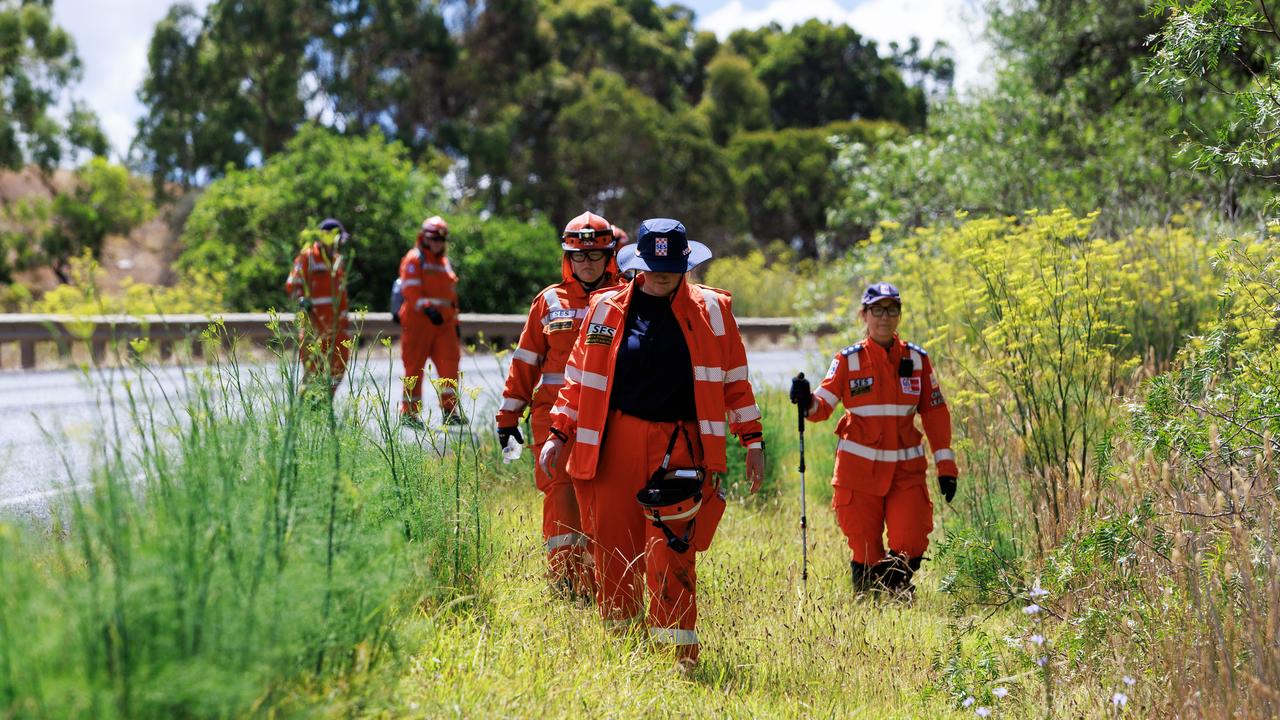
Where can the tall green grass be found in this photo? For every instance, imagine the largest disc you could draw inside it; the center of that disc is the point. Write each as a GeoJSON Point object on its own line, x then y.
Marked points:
{"type": "Point", "coordinates": [237, 542]}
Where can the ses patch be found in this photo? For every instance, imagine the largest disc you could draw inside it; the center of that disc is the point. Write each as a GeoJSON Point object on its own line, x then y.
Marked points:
{"type": "Point", "coordinates": [910, 385]}
{"type": "Point", "coordinates": [559, 325]}
{"type": "Point", "coordinates": [600, 334]}
{"type": "Point", "coordinates": [859, 386]}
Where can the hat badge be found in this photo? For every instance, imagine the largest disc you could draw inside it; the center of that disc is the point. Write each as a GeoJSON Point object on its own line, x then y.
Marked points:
{"type": "Point", "coordinates": [660, 247]}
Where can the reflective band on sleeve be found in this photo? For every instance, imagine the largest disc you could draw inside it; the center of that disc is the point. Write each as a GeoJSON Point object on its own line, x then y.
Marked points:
{"type": "Point", "coordinates": [566, 411]}
{"type": "Point", "coordinates": [746, 414]}
{"type": "Point", "coordinates": [435, 268]}
{"type": "Point", "coordinates": [595, 381]}
{"type": "Point", "coordinates": [598, 316]}
{"type": "Point", "coordinates": [552, 299]}
{"type": "Point", "coordinates": [708, 374]}
{"type": "Point", "coordinates": [322, 300]}
{"type": "Point", "coordinates": [413, 282]}
{"type": "Point", "coordinates": [854, 362]}
{"type": "Point", "coordinates": [572, 539]}
{"type": "Point", "coordinates": [827, 396]}
{"type": "Point", "coordinates": [673, 636]}
{"type": "Point", "coordinates": [572, 373]}
{"type": "Point", "coordinates": [711, 427]}
{"type": "Point", "coordinates": [736, 374]}
{"type": "Point", "coordinates": [552, 378]}
{"type": "Point", "coordinates": [754, 445]}
{"type": "Point", "coordinates": [713, 311]}
{"type": "Point", "coordinates": [883, 410]}
{"type": "Point", "coordinates": [916, 360]}
{"type": "Point", "coordinates": [313, 266]}
{"type": "Point", "coordinates": [870, 453]}
{"type": "Point", "coordinates": [944, 454]}
{"type": "Point", "coordinates": [442, 302]}
{"type": "Point", "coordinates": [588, 437]}
{"type": "Point", "coordinates": [512, 405]}
{"type": "Point", "coordinates": [527, 357]}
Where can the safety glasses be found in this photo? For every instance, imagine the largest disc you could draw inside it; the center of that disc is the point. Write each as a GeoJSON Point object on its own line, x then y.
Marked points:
{"type": "Point", "coordinates": [586, 255]}
{"type": "Point", "coordinates": [885, 310]}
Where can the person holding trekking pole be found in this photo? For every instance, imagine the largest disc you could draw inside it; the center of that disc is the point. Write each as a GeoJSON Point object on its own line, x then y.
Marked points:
{"type": "Point", "coordinates": [883, 384]}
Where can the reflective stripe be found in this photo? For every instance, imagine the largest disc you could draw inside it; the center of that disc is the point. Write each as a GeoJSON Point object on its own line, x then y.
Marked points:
{"type": "Point", "coordinates": [572, 373]}
{"type": "Point", "coordinates": [571, 539]}
{"type": "Point", "coordinates": [566, 411]}
{"type": "Point", "coordinates": [552, 378]}
{"type": "Point", "coordinates": [736, 374]}
{"type": "Point", "coordinates": [528, 357]}
{"type": "Point", "coordinates": [588, 437]}
{"type": "Point", "coordinates": [944, 454]}
{"type": "Point", "coordinates": [883, 410]}
{"type": "Point", "coordinates": [595, 381]}
{"type": "Point", "coordinates": [414, 282]}
{"type": "Point", "coordinates": [312, 265]}
{"type": "Point", "coordinates": [755, 445]}
{"type": "Point", "coordinates": [713, 311]}
{"type": "Point", "coordinates": [711, 427]}
{"type": "Point", "coordinates": [434, 267]}
{"type": "Point", "coordinates": [708, 374]}
{"type": "Point", "coordinates": [916, 361]}
{"type": "Point", "coordinates": [322, 300]}
{"type": "Point", "coordinates": [552, 299]}
{"type": "Point", "coordinates": [746, 414]}
{"type": "Point", "coordinates": [827, 396]}
{"type": "Point", "coordinates": [673, 636]}
{"type": "Point", "coordinates": [443, 302]}
{"type": "Point", "coordinates": [871, 453]}
{"type": "Point", "coordinates": [512, 405]}
{"type": "Point", "coordinates": [854, 362]}
{"type": "Point", "coordinates": [681, 516]}
{"type": "Point", "coordinates": [601, 311]}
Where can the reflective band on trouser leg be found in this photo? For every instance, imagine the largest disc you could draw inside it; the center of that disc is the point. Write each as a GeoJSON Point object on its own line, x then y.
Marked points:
{"type": "Point", "coordinates": [673, 636]}
{"type": "Point", "coordinates": [943, 454]}
{"type": "Point", "coordinates": [571, 539]}
{"type": "Point", "coordinates": [870, 453]}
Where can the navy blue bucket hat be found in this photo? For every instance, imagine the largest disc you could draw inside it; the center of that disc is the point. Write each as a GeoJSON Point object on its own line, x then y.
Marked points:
{"type": "Point", "coordinates": [876, 292]}
{"type": "Point", "coordinates": [663, 246]}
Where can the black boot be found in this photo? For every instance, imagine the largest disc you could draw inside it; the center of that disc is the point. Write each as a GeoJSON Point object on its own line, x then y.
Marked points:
{"type": "Point", "coordinates": [863, 580]}
{"type": "Point", "coordinates": [896, 571]}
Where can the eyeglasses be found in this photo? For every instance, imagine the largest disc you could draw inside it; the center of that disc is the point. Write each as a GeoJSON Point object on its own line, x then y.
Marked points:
{"type": "Point", "coordinates": [435, 238]}
{"type": "Point", "coordinates": [885, 310]}
{"type": "Point", "coordinates": [585, 255]}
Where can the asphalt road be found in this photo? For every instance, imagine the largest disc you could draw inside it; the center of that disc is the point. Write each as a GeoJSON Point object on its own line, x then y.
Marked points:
{"type": "Point", "coordinates": [52, 422]}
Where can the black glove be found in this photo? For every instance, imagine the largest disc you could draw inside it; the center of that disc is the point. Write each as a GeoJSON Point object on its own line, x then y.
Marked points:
{"type": "Point", "coordinates": [305, 304]}
{"type": "Point", "coordinates": [800, 393]}
{"type": "Point", "coordinates": [509, 432]}
{"type": "Point", "coordinates": [947, 484]}
{"type": "Point", "coordinates": [433, 315]}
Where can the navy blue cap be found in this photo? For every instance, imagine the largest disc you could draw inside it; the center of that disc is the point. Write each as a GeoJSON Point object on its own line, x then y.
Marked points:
{"type": "Point", "coordinates": [876, 292]}
{"type": "Point", "coordinates": [663, 246]}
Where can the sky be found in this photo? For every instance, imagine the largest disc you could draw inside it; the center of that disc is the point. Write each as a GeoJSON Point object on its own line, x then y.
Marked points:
{"type": "Point", "coordinates": [112, 35]}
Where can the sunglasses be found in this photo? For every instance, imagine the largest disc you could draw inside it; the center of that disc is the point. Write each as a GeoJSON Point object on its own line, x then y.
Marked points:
{"type": "Point", "coordinates": [586, 255]}
{"type": "Point", "coordinates": [885, 310]}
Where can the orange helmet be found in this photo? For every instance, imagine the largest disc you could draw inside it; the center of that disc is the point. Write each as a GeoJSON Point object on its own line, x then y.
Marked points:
{"type": "Point", "coordinates": [434, 227]}
{"type": "Point", "coordinates": [620, 236]}
{"type": "Point", "coordinates": [588, 231]}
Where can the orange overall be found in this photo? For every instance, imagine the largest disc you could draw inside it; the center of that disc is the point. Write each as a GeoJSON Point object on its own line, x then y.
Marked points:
{"type": "Point", "coordinates": [427, 280]}
{"type": "Point", "coordinates": [324, 338]}
{"type": "Point", "coordinates": [614, 454]}
{"type": "Point", "coordinates": [539, 360]}
{"type": "Point", "coordinates": [880, 460]}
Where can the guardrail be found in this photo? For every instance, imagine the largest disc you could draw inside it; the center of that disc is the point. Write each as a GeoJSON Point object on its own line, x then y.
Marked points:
{"type": "Point", "coordinates": [100, 332]}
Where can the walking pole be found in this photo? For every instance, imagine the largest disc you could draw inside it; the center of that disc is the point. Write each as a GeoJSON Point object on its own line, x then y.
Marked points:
{"type": "Point", "coordinates": [800, 396]}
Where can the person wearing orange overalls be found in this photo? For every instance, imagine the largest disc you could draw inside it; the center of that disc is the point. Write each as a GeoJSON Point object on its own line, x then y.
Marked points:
{"type": "Point", "coordinates": [429, 322]}
{"type": "Point", "coordinates": [657, 368]}
{"type": "Point", "coordinates": [539, 360]}
{"type": "Point", "coordinates": [883, 384]}
{"type": "Point", "coordinates": [318, 284]}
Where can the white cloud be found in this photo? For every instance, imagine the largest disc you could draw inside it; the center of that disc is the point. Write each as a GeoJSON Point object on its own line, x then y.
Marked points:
{"type": "Point", "coordinates": [958, 22]}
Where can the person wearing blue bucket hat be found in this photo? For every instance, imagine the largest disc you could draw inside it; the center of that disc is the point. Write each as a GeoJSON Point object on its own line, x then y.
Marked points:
{"type": "Point", "coordinates": [318, 284]}
{"type": "Point", "coordinates": [657, 369]}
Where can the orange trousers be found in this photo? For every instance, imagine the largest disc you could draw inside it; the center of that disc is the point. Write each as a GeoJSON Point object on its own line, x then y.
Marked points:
{"type": "Point", "coordinates": [324, 352]}
{"type": "Point", "coordinates": [421, 341]}
{"type": "Point", "coordinates": [562, 533]}
{"type": "Point", "coordinates": [905, 511]}
{"type": "Point", "coordinates": [625, 545]}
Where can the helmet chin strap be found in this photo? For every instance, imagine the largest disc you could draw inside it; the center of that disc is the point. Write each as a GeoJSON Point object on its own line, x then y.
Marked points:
{"type": "Point", "coordinates": [592, 285]}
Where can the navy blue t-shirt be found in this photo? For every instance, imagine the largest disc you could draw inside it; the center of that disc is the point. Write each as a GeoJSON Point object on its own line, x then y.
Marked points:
{"type": "Point", "coordinates": [653, 377]}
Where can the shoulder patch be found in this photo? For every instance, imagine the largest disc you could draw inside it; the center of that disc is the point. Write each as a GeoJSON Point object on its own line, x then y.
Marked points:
{"type": "Point", "coordinates": [917, 348]}
{"type": "Point", "coordinates": [854, 348]}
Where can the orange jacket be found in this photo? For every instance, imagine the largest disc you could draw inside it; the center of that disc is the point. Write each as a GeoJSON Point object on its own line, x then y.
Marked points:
{"type": "Point", "coordinates": [720, 385]}
{"type": "Point", "coordinates": [548, 336]}
{"type": "Point", "coordinates": [324, 285]}
{"type": "Point", "coordinates": [427, 279]}
{"type": "Point", "coordinates": [878, 428]}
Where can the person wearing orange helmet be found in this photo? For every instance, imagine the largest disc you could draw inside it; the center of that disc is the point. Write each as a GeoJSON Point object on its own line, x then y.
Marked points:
{"type": "Point", "coordinates": [429, 318]}
{"type": "Point", "coordinates": [655, 383]}
{"type": "Point", "coordinates": [538, 362]}
{"type": "Point", "coordinates": [318, 284]}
